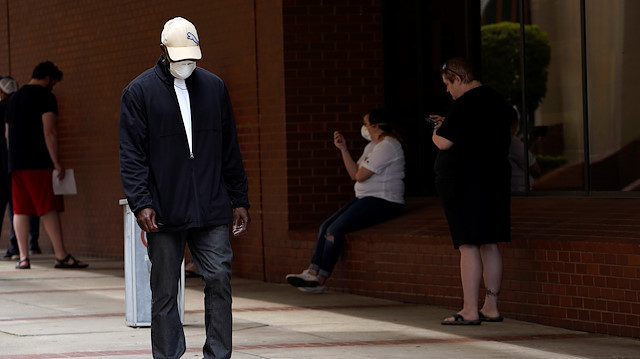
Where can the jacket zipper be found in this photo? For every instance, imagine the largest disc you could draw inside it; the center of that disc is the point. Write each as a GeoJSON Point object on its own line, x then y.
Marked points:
{"type": "Point", "coordinates": [195, 193]}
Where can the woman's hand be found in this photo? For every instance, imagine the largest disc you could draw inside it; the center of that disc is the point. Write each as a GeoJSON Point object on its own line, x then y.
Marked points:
{"type": "Point", "coordinates": [438, 120]}
{"type": "Point", "coordinates": [349, 163]}
{"type": "Point", "coordinates": [338, 141]}
{"type": "Point", "coordinates": [440, 142]}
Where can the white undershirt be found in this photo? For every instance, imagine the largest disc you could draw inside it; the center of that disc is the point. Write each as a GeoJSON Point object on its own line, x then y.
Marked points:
{"type": "Point", "coordinates": [185, 109]}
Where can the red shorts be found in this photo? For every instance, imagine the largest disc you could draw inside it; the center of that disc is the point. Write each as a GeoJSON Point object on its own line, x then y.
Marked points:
{"type": "Point", "coordinates": [32, 192]}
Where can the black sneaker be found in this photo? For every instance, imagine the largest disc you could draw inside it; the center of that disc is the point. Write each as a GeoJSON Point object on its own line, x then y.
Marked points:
{"type": "Point", "coordinates": [9, 255]}
{"type": "Point", "coordinates": [35, 251]}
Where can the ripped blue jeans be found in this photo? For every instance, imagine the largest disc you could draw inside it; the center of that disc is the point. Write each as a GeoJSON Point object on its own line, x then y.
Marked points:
{"type": "Point", "coordinates": [356, 214]}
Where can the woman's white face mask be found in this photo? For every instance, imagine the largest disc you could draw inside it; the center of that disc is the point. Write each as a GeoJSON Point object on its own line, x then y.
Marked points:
{"type": "Point", "coordinates": [182, 69]}
{"type": "Point", "coordinates": [365, 133]}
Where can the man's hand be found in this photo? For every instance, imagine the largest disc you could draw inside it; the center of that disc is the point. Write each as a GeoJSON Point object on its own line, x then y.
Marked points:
{"type": "Point", "coordinates": [241, 220]}
{"type": "Point", "coordinates": [147, 220]}
{"type": "Point", "coordinates": [61, 171]}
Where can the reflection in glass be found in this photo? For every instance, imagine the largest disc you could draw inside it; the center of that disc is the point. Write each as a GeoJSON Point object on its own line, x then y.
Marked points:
{"type": "Point", "coordinates": [557, 138]}
{"type": "Point", "coordinates": [551, 122]}
{"type": "Point", "coordinates": [555, 130]}
{"type": "Point", "coordinates": [613, 73]}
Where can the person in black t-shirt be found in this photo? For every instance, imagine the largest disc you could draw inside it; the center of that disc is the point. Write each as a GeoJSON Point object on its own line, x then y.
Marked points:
{"type": "Point", "coordinates": [31, 118]}
{"type": "Point", "coordinates": [473, 180]}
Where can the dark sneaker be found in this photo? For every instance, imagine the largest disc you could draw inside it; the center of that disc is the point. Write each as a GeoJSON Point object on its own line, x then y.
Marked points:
{"type": "Point", "coordinates": [35, 251]}
{"type": "Point", "coordinates": [10, 255]}
{"type": "Point", "coordinates": [304, 279]}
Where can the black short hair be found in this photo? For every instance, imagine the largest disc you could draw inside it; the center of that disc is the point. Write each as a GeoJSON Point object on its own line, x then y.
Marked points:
{"type": "Point", "coordinates": [45, 69]}
{"type": "Point", "coordinates": [378, 115]}
{"type": "Point", "coordinates": [382, 118]}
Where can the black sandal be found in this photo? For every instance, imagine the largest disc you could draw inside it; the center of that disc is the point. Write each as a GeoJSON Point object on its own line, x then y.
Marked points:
{"type": "Point", "coordinates": [484, 318]}
{"type": "Point", "coordinates": [459, 320]}
{"type": "Point", "coordinates": [62, 263]}
{"type": "Point", "coordinates": [26, 266]}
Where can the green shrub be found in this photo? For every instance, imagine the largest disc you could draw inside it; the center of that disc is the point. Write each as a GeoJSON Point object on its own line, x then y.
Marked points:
{"type": "Point", "coordinates": [501, 62]}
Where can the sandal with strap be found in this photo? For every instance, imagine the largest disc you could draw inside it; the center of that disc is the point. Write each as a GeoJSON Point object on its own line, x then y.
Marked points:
{"type": "Point", "coordinates": [459, 320]}
{"type": "Point", "coordinates": [63, 263]}
{"type": "Point", "coordinates": [484, 318]}
{"type": "Point", "coordinates": [19, 265]}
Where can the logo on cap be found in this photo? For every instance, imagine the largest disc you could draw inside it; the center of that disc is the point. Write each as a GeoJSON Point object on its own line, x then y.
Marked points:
{"type": "Point", "coordinates": [191, 36]}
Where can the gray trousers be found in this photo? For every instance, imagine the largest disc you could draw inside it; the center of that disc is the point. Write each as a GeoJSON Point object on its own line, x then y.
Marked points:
{"type": "Point", "coordinates": [212, 254]}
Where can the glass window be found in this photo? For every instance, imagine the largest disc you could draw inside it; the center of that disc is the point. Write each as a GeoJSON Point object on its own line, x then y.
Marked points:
{"type": "Point", "coordinates": [556, 136]}
{"type": "Point", "coordinates": [553, 125]}
{"type": "Point", "coordinates": [613, 75]}
{"type": "Point", "coordinates": [550, 126]}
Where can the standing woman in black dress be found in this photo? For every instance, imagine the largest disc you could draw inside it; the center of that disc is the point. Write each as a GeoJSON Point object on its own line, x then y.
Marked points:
{"type": "Point", "coordinates": [473, 180]}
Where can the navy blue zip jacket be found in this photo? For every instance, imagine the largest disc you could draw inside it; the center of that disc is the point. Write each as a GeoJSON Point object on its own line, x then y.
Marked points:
{"type": "Point", "coordinates": [187, 190]}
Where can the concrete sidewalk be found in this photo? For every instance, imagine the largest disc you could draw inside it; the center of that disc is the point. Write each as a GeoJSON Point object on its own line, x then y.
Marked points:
{"type": "Point", "coordinates": [53, 313]}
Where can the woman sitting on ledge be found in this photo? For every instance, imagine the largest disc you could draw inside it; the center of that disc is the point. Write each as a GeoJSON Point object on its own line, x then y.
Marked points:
{"type": "Point", "coordinates": [379, 191]}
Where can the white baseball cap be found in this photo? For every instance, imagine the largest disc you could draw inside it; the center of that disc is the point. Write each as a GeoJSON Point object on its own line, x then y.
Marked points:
{"type": "Point", "coordinates": [181, 39]}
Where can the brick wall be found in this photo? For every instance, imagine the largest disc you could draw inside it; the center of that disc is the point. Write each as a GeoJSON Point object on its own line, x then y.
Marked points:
{"type": "Point", "coordinates": [575, 263]}
{"type": "Point", "coordinates": [333, 74]}
{"type": "Point", "coordinates": [572, 262]}
{"type": "Point", "coordinates": [101, 46]}
{"type": "Point", "coordinates": [4, 39]}
{"type": "Point", "coordinates": [268, 177]}
{"type": "Point", "coordinates": [327, 55]}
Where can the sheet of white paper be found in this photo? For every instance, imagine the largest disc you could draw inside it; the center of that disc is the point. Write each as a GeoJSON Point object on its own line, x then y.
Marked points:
{"type": "Point", "coordinates": [67, 185]}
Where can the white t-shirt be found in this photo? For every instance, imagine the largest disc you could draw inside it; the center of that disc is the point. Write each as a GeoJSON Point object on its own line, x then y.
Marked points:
{"type": "Point", "coordinates": [182, 93]}
{"type": "Point", "coordinates": [386, 160]}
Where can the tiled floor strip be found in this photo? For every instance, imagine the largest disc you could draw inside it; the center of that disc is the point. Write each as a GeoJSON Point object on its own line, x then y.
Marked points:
{"type": "Point", "coordinates": [239, 310]}
{"type": "Point", "coordinates": [127, 353]}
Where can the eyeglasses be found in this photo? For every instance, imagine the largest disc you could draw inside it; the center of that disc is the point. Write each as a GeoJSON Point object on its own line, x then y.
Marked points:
{"type": "Point", "coordinates": [445, 68]}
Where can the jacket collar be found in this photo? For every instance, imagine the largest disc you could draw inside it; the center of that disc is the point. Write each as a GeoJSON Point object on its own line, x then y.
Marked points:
{"type": "Point", "coordinates": [162, 71]}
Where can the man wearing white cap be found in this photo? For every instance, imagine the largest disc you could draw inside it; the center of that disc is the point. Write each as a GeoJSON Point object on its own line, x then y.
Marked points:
{"type": "Point", "coordinates": [183, 177]}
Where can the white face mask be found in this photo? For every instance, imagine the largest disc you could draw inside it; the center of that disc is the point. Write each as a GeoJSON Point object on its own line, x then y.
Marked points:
{"type": "Point", "coordinates": [182, 69]}
{"type": "Point", "coordinates": [365, 133]}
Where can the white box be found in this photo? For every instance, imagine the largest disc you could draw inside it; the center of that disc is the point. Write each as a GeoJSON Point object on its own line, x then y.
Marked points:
{"type": "Point", "coordinates": [137, 271]}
